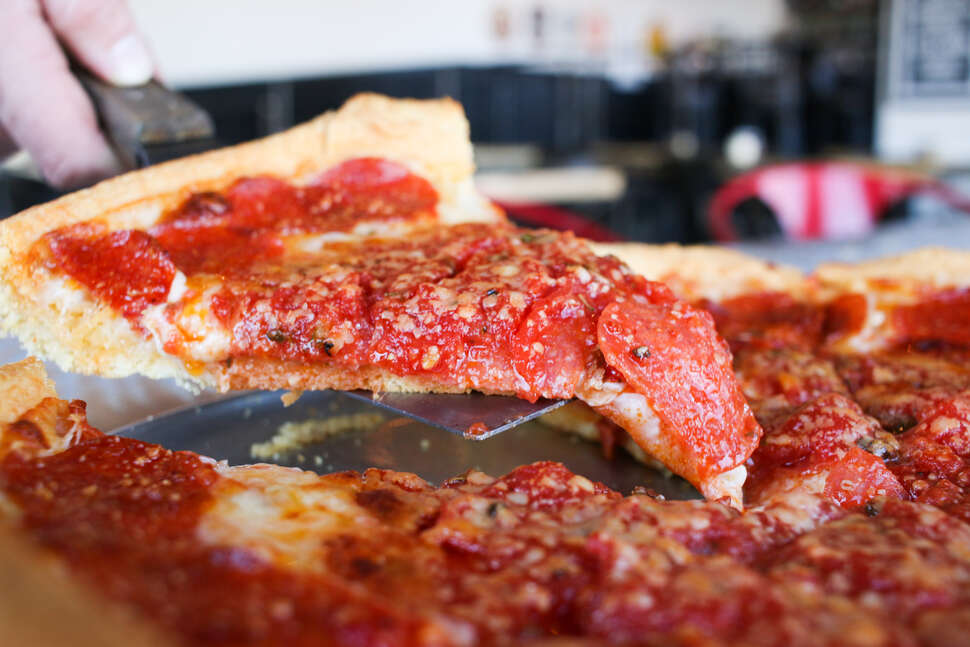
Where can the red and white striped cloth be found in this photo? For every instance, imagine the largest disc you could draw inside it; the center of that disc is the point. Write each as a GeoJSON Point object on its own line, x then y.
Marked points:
{"type": "Point", "coordinates": [823, 200]}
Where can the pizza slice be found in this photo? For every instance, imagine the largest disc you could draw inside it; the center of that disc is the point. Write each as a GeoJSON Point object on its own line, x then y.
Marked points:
{"type": "Point", "coordinates": [353, 252]}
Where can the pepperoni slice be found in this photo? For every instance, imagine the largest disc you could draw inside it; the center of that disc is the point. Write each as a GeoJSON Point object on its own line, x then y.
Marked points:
{"type": "Point", "coordinates": [672, 355]}
{"type": "Point", "coordinates": [824, 427]}
{"type": "Point", "coordinates": [858, 477]}
{"type": "Point", "coordinates": [934, 460]}
{"type": "Point", "coordinates": [367, 189]}
{"type": "Point", "coordinates": [266, 203]}
{"type": "Point", "coordinates": [127, 269]}
{"type": "Point", "coordinates": [828, 446]}
{"type": "Point", "coordinates": [552, 344]}
{"type": "Point", "coordinates": [227, 234]}
{"type": "Point", "coordinates": [225, 251]}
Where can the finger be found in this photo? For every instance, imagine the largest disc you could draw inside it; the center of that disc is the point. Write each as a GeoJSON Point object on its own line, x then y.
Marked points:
{"type": "Point", "coordinates": [103, 36]}
{"type": "Point", "coordinates": [42, 106]}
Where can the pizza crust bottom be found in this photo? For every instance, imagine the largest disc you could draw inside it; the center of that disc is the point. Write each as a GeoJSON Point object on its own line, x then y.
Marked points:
{"type": "Point", "coordinates": [271, 374]}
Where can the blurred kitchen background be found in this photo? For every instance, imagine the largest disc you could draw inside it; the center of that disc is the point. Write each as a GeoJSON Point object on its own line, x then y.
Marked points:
{"type": "Point", "coordinates": [839, 126]}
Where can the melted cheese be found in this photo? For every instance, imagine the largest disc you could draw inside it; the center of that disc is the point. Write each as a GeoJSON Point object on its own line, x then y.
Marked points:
{"type": "Point", "coordinates": [876, 332]}
{"type": "Point", "coordinates": [632, 412]}
{"type": "Point", "coordinates": [282, 514]}
{"type": "Point", "coordinates": [192, 325]}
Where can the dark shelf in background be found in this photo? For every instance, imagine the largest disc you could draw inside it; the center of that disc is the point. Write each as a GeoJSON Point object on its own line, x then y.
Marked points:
{"type": "Point", "coordinates": [802, 106]}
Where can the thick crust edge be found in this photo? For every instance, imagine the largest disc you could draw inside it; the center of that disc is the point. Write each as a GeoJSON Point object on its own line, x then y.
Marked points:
{"type": "Point", "coordinates": [696, 272]}
{"type": "Point", "coordinates": [22, 386]}
{"type": "Point", "coordinates": [926, 268]}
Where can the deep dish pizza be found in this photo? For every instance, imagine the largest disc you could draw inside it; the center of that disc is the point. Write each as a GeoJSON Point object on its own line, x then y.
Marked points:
{"type": "Point", "coordinates": [113, 541]}
{"type": "Point", "coordinates": [826, 417]}
{"type": "Point", "coordinates": [353, 252]}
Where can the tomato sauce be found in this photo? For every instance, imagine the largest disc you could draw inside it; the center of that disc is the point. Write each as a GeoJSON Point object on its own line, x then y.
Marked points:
{"type": "Point", "coordinates": [124, 515]}
{"type": "Point", "coordinates": [463, 303]}
{"type": "Point", "coordinates": [844, 315]}
{"type": "Point", "coordinates": [768, 320]}
{"type": "Point", "coordinates": [939, 317]}
{"type": "Point", "coordinates": [828, 445]}
{"type": "Point", "coordinates": [227, 233]}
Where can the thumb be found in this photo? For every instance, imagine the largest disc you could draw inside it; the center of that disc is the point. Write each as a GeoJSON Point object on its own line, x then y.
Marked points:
{"type": "Point", "coordinates": [103, 36]}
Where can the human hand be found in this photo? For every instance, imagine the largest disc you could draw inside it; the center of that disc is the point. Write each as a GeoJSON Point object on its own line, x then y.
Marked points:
{"type": "Point", "coordinates": [43, 108]}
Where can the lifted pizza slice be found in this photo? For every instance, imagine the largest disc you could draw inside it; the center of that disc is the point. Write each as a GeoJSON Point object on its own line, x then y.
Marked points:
{"type": "Point", "coordinates": [353, 252]}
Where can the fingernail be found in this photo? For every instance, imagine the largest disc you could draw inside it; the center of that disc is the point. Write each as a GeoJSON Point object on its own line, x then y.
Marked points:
{"type": "Point", "coordinates": [130, 62]}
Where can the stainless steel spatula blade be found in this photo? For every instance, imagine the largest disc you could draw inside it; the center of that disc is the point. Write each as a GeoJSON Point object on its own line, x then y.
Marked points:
{"type": "Point", "coordinates": [473, 415]}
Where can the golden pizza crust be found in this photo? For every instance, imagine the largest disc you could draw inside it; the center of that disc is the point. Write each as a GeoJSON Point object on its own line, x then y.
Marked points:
{"type": "Point", "coordinates": [40, 604]}
{"type": "Point", "coordinates": [705, 272]}
{"type": "Point", "coordinates": [23, 385]}
{"type": "Point", "coordinates": [925, 268]}
{"type": "Point", "coordinates": [56, 319]}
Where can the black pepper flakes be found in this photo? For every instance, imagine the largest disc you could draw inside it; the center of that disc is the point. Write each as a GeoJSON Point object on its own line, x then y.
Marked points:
{"type": "Point", "coordinates": [491, 292]}
{"type": "Point", "coordinates": [327, 347]}
{"type": "Point", "coordinates": [494, 508]}
{"type": "Point", "coordinates": [872, 508]}
{"type": "Point", "coordinates": [640, 352]}
{"type": "Point", "coordinates": [882, 445]}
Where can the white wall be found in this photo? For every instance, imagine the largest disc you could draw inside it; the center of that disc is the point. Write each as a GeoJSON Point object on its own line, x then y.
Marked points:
{"type": "Point", "coordinates": [932, 131]}
{"type": "Point", "coordinates": [910, 126]}
{"type": "Point", "coordinates": [224, 41]}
